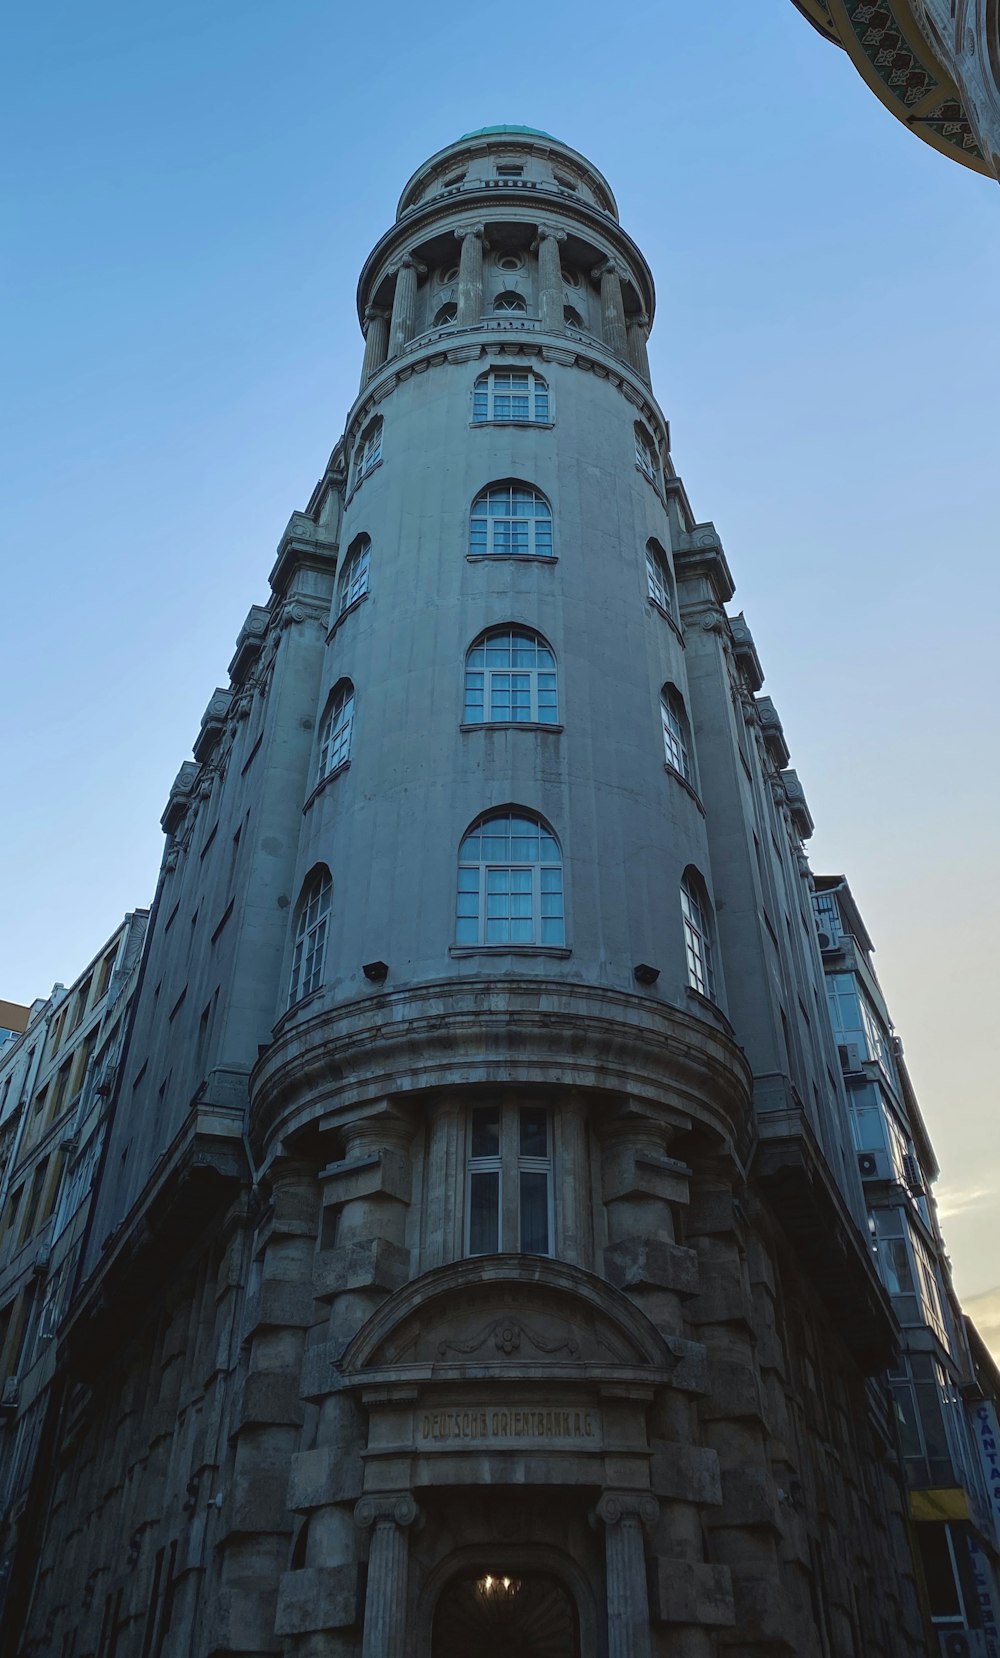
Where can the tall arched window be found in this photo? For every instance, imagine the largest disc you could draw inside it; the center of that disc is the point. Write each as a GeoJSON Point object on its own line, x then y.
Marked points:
{"type": "Point", "coordinates": [509, 301]}
{"type": "Point", "coordinates": [514, 394]}
{"type": "Point", "coordinates": [310, 934]}
{"type": "Point", "coordinates": [335, 731]}
{"type": "Point", "coordinates": [697, 937]}
{"type": "Point", "coordinates": [353, 582]}
{"type": "Point", "coordinates": [510, 679]}
{"type": "Point", "coordinates": [369, 449]}
{"type": "Point", "coordinates": [658, 578]}
{"type": "Point", "coordinates": [511, 520]}
{"type": "Point", "coordinates": [647, 458]}
{"type": "Point", "coordinates": [676, 734]}
{"type": "Point", "coordinates": [510, 888]}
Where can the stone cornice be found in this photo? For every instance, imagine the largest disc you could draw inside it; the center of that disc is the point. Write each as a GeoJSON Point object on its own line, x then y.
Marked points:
{"type": "Point", "coordinates": [481, 207]}
{"type": "Point", "coordinates": [337, 1061]}
{"type": "Point", "coordinates": [464, 345]}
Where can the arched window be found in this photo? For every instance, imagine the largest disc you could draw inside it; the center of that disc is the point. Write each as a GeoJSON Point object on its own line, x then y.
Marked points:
{"type": "Point", "coordinates": [445, 315]}
{"type": "Point", "coordinates": [676, 740]}
{"type": "Point", "coordinates": [697, 938]}
{"type": "Point", "coordinates": [510, 394]}
{"type": "Point", "coordinates": [509, 301]}
{"type": "Point", "coordinates": [572, 318]}
{"type": "Point", "coordinates": [335, 731]}
{"type": "Point", "coordinates": [310, 934]}
{"type": "Point", "coordinates": [510, 887]}
{"type": "Point", "coordinates": [353, 582]}
{"type": "Point", "coordinates": [646, 457]}
{"type": "Point", "coordinates": [369, 450]}
{"type": "Point", "coordinates": [510, 679]}
{"type": "Point", "coordinates": [510, 520]}
{"type": "Point", "coordinates": [658, 578]}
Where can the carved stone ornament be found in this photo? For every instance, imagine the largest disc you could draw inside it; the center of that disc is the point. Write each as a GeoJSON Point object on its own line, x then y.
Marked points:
{"type": "Point", "coordinates": [615, 1505]}
{"type": "Point", "coordinates": [399, 1507]}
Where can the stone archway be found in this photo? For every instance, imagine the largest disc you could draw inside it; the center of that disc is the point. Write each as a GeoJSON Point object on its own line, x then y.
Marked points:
{"type": "Point", "coordinates": [505, 1614]}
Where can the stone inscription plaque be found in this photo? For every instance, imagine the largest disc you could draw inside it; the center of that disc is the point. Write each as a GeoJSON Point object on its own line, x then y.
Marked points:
{"type": "Point", "coordinates": [507, 1424]}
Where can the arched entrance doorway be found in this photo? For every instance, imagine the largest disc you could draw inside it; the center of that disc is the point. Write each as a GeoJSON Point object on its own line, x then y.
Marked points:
{"type": "Point", "coordinates": [505, 1614]}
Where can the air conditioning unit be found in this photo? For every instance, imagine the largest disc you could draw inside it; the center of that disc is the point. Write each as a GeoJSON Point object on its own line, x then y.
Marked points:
{"type": "Point", "coordinates": [825, 941]}
{"type": "Point", "coordinates": [912, 1175]}
{"type": "Point", "coordinates": [874, 1165]}
{"type": "Point", "coordinates": [896, 1043]}
{"type": "Point", "coordinates": [962, 1643]}
{"type": "Point", "coordinates": [11, 1393]}
{"type": "Point", "coordinates": [851, 1057]}
{"type": "Point", "coordinates": [40, 1264]}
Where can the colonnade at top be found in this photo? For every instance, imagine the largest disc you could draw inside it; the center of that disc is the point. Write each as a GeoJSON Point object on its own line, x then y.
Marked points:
{"type": "Point", "coordinates": [389, 329]}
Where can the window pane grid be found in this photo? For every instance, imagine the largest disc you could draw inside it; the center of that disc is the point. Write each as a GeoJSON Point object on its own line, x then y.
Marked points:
{"type": "Point", "coordinates": [335, 734]}
{"type": "Point", "coordinates": [310, 941]}
{"type": "Point", "coordinates": [658, 581]}
{"type": "Point", "coordinates": [509, 885]}
{"type": "Point", "coordinates": [508, 521]}
{"type": "Point", "coordinates": [696, 943]}
{"type": "Point", "coordinates": [674, 743]}
{"type": "Point", "coordinates": [509, 1180]}
{"type": "Point", "coordinates": [354, 577]}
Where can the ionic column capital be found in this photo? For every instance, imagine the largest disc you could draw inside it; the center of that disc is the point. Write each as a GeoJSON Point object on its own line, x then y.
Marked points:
{"type": "Point", "coordinates": [616, 1506]}
{"type": "Point", "coordinates": [410, 263]}
{"type": "Point", "coordinates": [372, 312]}
{"type": "Point", "coordinates": [479, 231]}
{"type": "Point", "coordinates": [397, 1507]}
{"type": "Point", "coordinates": [547, 233]}
{"type": "Point", "coordinates": [608, 267]}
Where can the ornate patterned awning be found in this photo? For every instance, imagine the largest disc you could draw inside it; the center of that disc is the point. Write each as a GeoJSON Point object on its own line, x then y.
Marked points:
{"type": "Point", "coordinates": [895, 57]}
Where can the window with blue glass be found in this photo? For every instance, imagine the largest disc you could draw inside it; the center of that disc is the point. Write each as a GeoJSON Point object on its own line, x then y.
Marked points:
{"type": "Point", "coordinates": [510, 520]}
{"type": "Point", "coordinates": [507, 395]}
{"type": "Point", "coordinates": [510, 679]}
{"type": "Point", "coordinates": [510, 883]}
{"type": "Point", "coordinates": [508, 1203]}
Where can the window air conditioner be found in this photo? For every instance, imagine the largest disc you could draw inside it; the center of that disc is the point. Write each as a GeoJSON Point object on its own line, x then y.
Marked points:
{"type": "Point", "coordinates": [825, 941]}
{"type": "Point", "coordinates": [851, 1057]}
{"type": "Point", "coordinates": [962, 1643]}
{"type": "Point", "coordinates": [912, 1175]}
{"type": "Point", "coordinates": [874, 1165]}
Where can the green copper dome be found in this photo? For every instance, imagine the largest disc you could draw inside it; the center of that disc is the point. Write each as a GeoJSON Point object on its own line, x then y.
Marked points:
{"type": "Point", "coordinates": [485, 132]}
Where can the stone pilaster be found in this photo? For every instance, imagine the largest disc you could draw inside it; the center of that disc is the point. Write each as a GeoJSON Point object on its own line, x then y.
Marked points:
{"type": "Point", "coordinates": [470, 275]}
{"type": "Point", "coordinates": [638, 334]}
{"type": "Point", "coordinates": [612, 307]}
{"type": "Point", "coordinates": [255, 1520]}
{"type": "Point", "coordinates": [550, 285]}
{"type": "Point", "coordinates": [745, 1528]}
{"type": "Point", "coordinates": [376, 341]}
{"type": "Point", "coordinates": [390, 1518]}
{"type": "Point", "coordinates": [623, 1514]}
{"type": "Point", "coordinates": [404, 304]}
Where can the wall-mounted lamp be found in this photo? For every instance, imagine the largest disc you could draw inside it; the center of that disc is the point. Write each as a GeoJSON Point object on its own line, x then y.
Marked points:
{"type": "Point", "coordinates": [645, 974]}
{"type": "Point", "coordinates": [376, 971]}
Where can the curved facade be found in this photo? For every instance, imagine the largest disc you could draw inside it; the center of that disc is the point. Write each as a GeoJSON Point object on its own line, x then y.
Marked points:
{"type": "Point", "coordinates": [480, 1256]}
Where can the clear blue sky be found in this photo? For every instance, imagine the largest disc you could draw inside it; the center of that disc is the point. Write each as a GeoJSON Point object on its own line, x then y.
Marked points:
{"type": "Point", "coordinates": [196, 187]}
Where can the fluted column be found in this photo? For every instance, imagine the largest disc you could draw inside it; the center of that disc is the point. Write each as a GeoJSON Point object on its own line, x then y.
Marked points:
{"type": "Point", "coordinates": [550, 296]}
{"type": "Point", "coordinates": [388, 1563]}
{"type": "Point", "coordinates": [638, 334]}
{"type": "Point", "coordinates": [470, 275]}
{"type": "Point", "coordinates": [376, 341]}
{"type": "Point", "coordinates": [612, 306]}
{"type": "Point", "coordinates": [623, 1514]}
{"type": "Point", "coordinates": [404, 304]}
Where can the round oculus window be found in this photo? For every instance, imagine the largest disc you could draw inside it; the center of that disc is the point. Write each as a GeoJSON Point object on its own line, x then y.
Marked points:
{"type": "Point", "coordinates": [571, 278]}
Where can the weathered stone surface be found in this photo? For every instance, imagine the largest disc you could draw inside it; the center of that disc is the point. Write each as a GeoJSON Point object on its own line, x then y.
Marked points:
{"type": "Point", "coordinates": [688, 1472]}
{"type": "Point", "coordinates": [259, 1502]}
{"type": "Point", "coordinates": [241, 1619]}
{"type": "Point", "coordinates": [270, 1398]}
{"type": "Point", "coordinates": [733, 1390]}
{"type": "Point", "coordinates": [327, 1474]}
{"type": "Point", "coordinates": [281, 1305]}
{"type": "Point", "coordinates": [371, 1263]}
{"type": "Point", "coordinates": [748, 1499]}
{"type": "Point", "coordinates": [685, 1591]}
{"type": "Point", "coordinates": [636, 1263]}
{"type": "Point", "coordinates": [318, 1597]}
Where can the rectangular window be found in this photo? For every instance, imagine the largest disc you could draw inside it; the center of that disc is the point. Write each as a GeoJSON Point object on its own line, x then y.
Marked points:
{"type": "Point", "coordinates": [509, 1186]}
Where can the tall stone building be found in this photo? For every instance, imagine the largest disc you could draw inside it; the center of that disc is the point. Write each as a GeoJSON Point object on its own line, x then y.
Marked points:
{"type": "Point", "coordinates": [481, 1258]}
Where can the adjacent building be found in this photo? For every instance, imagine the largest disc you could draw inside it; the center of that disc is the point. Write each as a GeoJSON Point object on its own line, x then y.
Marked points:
{"type": "Point", "coordinates": [56, 1081]}
{"type": "Point", "coordinates": [934, 63]}
{"type": "Point", "coordinates": [480, 1256]}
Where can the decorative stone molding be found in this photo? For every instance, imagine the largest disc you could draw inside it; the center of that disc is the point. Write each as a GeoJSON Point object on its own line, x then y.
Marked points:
{"type": "Point", "coordinates": [399, 1507]}
{"type": "Point", "coordinates": [213, 723]}
{"type": "Point", "coordinates": [249, 643]}
{"type": "Point", "coordinates": [180, 797]}
{"type": "Point", "coordinates": [771, 730]}
{"type": "Point", "coordinates": [745, 651]}
{"type": "Point", "coordinates": [796, 797]}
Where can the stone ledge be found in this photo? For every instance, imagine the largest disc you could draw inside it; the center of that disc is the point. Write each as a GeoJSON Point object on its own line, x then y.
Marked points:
{"type": "Point", "coordinates": [733, 1392]}
{"type": "Point", "coordinates": [639, 1263]}
{"type": "Point", "coordinates": [382, 1174]}
{"type": "Point", "coordinates": [318, 1597]}
{"type": "Point", "coordinates": [269, 1399]}
{"type": "Point", "coordinates": [279, 1305]}
{"type": "Point", "coordinates": [749, 1499]}
{"type": "Point", "coordinates": [686, 1473]}
{"type": "Point", "coordinates": [373, 1263]}
{"type": "Point", "coordinates": [326, 1474]}
{"type": "Point", "coordinates": [688, 1591]}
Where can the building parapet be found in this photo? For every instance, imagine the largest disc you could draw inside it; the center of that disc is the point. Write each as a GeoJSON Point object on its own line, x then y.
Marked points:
{"type": "Point", "coordinates": [796, 797]}
{"type": "Point", "coordinates": [772, 732]}
{"type": "Point", "coordinates": [249, 643]}
{"type": "Point", "coordinates": [180, 797]}
{"type": "Point", "coordinates": [213, 723]}
{"type": "Point", "coordinates": [745, 651]}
